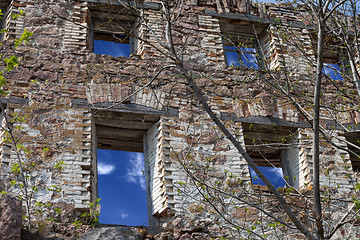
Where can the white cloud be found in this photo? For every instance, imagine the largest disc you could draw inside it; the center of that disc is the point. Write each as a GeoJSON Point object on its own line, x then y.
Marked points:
{"type": "Point", "coordinates": [135, 172]}
{"type": "Point", "coordinates": [105, 169]}
{"type": "Point", "coordinates": [118, 51]}
{"type": "Point", "coordinates": [274, 174]}
{"type": "Point", "coordinates": [123, 215]}
{"type": "Point", "coordinates": [277, 174]}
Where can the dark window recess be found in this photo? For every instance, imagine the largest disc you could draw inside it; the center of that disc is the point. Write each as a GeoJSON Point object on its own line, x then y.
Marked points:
{"type": "Point", "coordinates": [336, 64]}
{"type": "Point", "coordinates": [4, 7]}
{"type": "Point", "coordinates": [275, 151]}
{"type": "Point", "coordinates": [353, 145]}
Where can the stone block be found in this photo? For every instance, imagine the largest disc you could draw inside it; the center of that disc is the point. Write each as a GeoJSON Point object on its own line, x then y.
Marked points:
{"type": "Point", "coordinates": [113, 232]}
{"type": "Point", "coordinates": [10, 217]}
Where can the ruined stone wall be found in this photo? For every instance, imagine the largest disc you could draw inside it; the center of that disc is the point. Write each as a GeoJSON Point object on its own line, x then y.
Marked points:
{"type": "Point", "coordinates": [60, 82]}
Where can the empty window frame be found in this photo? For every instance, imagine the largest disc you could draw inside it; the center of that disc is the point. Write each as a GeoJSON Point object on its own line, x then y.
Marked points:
{"type": "Point", "coordinates": [336, 64]}
{"type": "Point", "coordinates": [112, 30]}
{"type": "Point", "coordinates": [5, 8]}
{"type": "Point", "coordinates": [241, 55]}
{"type": "Point", "coordinates": [137, 133]}
{"type": "Point", "coordinates": [240, 42]}
{"type": "Point", "coordinates": [275, 151]}
{"type": "Point", "coordinates": [353, 144]}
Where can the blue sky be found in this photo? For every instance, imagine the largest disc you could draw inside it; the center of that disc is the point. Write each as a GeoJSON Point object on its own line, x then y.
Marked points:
{"type": "Point", "coordinates": [247, 56]}
{"type": "Point", "coordinates": [333, 71]}
{"type": "Point", "coordinates": [121, 187]}
{"type": "Point", "coordinates": [111, 48]}
{"type": "Point", "coordinates": [275, 175]}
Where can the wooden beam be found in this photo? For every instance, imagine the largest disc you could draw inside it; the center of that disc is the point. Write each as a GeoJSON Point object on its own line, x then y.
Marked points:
{"type": "Point", "coordinates": [263, 129]}
{"type": "Point", "coordinates": [275, 122]}
{"type": "Point", "coordinates": [125, 116]}
{"type": "Point", "coordinates": [128, 124]}
{"type": "Point", "coordinates": [237, 16]}
{"type": "Point", "coordinates": [257, 138]}
{"type": "Point", "coordinates": [263, 163]}
{"type": "Point", "coordinates": [125, 108]}
{"type": "Point", "coordinates": [118, 133]}
{"type": "Point", "coordinates": [145, 5]}
{"type": "Point", "coordinates": [256, 153]}
{"type": "Point", "coordinates": [129, 146]}
{"type": "Point", "coordinates": [113, 16]}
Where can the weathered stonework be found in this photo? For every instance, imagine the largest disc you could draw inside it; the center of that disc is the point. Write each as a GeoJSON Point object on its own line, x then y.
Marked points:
{"type": "Point", "coordinates": [11, 218]}
{"type": "Point", "coordinates": [67, 90]}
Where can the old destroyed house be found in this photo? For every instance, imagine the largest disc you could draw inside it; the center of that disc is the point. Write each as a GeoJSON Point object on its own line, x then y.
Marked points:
{"type": "Point", "coordinates": [64, 102]}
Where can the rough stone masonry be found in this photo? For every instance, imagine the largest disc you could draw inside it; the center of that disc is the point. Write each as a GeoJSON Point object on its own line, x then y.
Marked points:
{"type": "Point", "coordinates": [77, 101]}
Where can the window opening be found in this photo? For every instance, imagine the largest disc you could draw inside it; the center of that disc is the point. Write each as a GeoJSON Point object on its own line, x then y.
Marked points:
{"type": "Point", "coordinates": [240, 42]}
{"type": "Point", "coordinates": [112, 30]}
{"type": "Point", "coordinates": [336, 64]}
{"type": "Point", "coordinates": [332, 70]}
{"type": "Point", "coordinates": [124, 146]}
{"type": "Point", "coordinates": [274, 150]}
{"type": "Point", "coordinates": [275, 174]}
{"type": "Point", "coordinates": [5, 9]}
{"type": "Point", "coordinates": [122, 189]}
{"type": "Point", "coordinates": [241, 56]}
{"type": "Point", "coordinates": [112, 48]}
{"type": "Point", "coordinates": [353, 145]}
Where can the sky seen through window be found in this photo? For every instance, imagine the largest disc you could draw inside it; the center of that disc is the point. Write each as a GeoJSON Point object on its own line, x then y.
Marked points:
{"type": "Point", "coordinates": [121, 187]}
